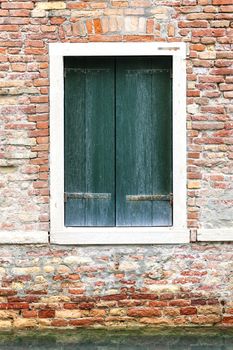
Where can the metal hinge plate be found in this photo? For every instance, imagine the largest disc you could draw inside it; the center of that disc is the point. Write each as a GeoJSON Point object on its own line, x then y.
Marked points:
{"type": "Point", "coordinates": [86, 195]}
{"type": "Point", "coordinates": [151, 197]}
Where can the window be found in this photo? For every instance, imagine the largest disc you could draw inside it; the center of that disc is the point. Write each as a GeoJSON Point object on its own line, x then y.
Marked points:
{"type": "Point", "coordinates": [118, 143]}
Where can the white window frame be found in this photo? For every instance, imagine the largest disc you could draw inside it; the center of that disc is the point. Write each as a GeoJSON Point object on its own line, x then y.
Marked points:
{"type": "Point", "coordinates": [59, 234]}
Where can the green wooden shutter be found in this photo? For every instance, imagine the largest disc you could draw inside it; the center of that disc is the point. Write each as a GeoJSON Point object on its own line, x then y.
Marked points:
{"type": "Point", "coordinates": [118, 135]}
{"type": "Point", "coordinates": [143, 142]}
{"type": "Point", "coordinates": [89, 142]}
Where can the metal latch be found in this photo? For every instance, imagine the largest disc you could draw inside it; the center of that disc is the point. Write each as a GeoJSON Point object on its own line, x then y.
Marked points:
{"type": "Point", "coordinates": [86, 195]}
{"type": "Point", "coordinates": [151, 197]}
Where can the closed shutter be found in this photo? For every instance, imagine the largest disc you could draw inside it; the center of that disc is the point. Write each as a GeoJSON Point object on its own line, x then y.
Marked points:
{"type": "Point", "coordinates": [89, 142]}
{"type": "Point", "coordinates": [118, 142]}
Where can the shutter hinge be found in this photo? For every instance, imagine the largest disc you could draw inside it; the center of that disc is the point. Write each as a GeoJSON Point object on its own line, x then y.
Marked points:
{"type": "Point", "coordinates": [86, 195]}
{"type": "Point", "coordinates": [150, 197]}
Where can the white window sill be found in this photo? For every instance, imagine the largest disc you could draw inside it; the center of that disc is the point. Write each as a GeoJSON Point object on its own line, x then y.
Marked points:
{"type": "Point", "coordinates": [215, 235]}
{"type": "Point", "coordinates": [116, 236]}
{"type": "Point", "coordinates": [23, 237]}
{"type": "Point", "coordinates": [121, 235]}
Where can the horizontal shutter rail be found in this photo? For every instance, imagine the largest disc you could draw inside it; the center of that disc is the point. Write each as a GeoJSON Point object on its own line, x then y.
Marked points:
{"type": "Point", "coordinates": [86, 195]}
{"type": "Point", "coordinates": [147, 71]}
{"type": "Point", "coordinates": [87, 70]}
{"type": "Point", "coordinates": [150, 197]}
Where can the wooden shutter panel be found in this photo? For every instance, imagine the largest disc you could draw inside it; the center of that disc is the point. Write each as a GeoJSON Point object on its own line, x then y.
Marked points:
{"type": "Point", "coordinates": [137, 161]}
{"type": "Point", "coordinates": [143, 142]}
{"type": "Point", "coordinates": [89, 142]}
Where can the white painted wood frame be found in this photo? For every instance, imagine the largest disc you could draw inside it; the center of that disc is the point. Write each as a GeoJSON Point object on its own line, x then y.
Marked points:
{"type": "Point", "coordinates": [60, 234]}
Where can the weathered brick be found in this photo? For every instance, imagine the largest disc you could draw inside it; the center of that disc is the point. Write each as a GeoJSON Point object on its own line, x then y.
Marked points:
{"type": "Point", "coordinates": [29, 313]}
{"type": "Point", "coordinates": [188, 311]}
{"type": "Point", "coordinates": [46, 313]}
{"type": "Point", "coordinates": [51, 5]}
{"type": "Point", "coordinates": [26, 28]}
{"type": "Point", "coordinates": [144, 312]}
{"type": "Point", "coordinates": [24, 323]}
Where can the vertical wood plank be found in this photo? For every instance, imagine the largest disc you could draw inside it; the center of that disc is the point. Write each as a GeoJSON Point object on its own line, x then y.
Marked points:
{"type": "Point", "coordinates": [143, 150]}
{"type": "Point", "coordinates": [89, 140]}
{"type": "Point", "coordinates": [74, 141]}
{"type": "Point", "coordinates": [161, 124]}
{"type": "Point", "coordinates": [100, 140]}
{"type": "Point", "coordinates": [133, 110]}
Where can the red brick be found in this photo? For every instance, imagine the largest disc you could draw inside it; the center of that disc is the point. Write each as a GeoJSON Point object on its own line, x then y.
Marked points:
{"type": "Point", "coordinates": [144, 296]}
{"type": "Point", "coordinates": [57, 20]}
{"type": "Point", "coordinates": [222, 2]}
{"type": "Point", "coordinates": [114, 297]}
{"type": "Point", "coordinates": [39, 291]}
{"type": "Point", "coordinates": [9, 28]}
{"type": "Point", "coordinates": [38, 133]}
{"type": "Point", "coordinates": [144, 312]}
{"type": "Point", "coordinates": [4, 13]}
{"type": "Point", "coordinates": [20, 13]}
{"type": "Point", "coordinates": [193, 24]}
{"type": "Point", "coordinates": [29, 313]}
{"type": "Point", "coordinates": [7, 292]}
{"type": "Point", "coordinates": [35, 51]}
{"type": "Point", "coordinates": [42, 140]}
{"type": "Point", "coordinates": [59, 323]}
{"type": "Point", "coordinates": [198, 302]}
{"type": "Point", "coordinates": [141, 38]}
{"type": "Point", "coordinates": [222, 71]}
{"type": "Point", "coordinates": [97, 26]}
{"type": "Point", "coordinates": [14, 306]}
{"type": "Point", "coordinates": [157, 303]}
{"type": "Point", "coordinates": [85, 321]}
{"type": "Point", "coordinates": [227, 320]}
{"type": "Point", "coordinates": [166, 296]}
{"type": "Point", "coordinates": [193, 93]}
{"type": "Point", "coordinates": [46, 313]}
{"type": "Point", "coordinates": [226, 8]}
{"type": "Point", "coordinates": [211, 79]}
{"type": "Point", "coordinates": [71, 306]}
{"type": "Point", "coordinates": [19, 67]}
{"type": "Point", "coordinates": [209, 32]}
{"type": "Point", "coordinates": [17, 5]}
{"type": "Point", "coordinates": [86, 306]}
{"type": "Point", "coordinates": [149, 26]}
{"type": "Point", "coordinates": [74, 276]}
{"type": "Point", "coordinates": [197, 47]}
{"type": "Point", "coordinates": [35, 43]}
{"type": "Point", "coordinates": [179, 302]}
{"type": "Point", "coordinates": [188, 311]}
{"type": "Point", "coordinates": [77, 5]}
{"type": "Point", "coordinates": [41, 82]}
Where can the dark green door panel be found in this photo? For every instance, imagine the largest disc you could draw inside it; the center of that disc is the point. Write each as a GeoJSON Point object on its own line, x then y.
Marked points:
{"type": "Point", "coordinates": [162, 146]}
{"type": "Point", "coordinates": [118, 141]}
{"type": "Point", "coordinates": [133, 140]}
{"type": "Point", "coordinates": [89, 142]}
{"type": "Point", "coordinates": [143, 141]}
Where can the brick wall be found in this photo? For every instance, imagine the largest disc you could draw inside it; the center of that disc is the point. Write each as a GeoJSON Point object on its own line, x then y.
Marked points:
{"type": "Point", "coordinates": [154, 285]}
{"type": "Point", "coordinates": [26, 28]}
{"type": "Point", "coordinates": [116, 287]}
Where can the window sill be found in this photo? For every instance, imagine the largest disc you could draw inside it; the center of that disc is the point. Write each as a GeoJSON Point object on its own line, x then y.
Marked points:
{"type": "Point", "coordinates": [121, 235]}
{"type": "Point", "coordinates": [215, 235]}
{"type": "Point", "coordinates": [116, 236]}
{"type": "Point", "coordinates": [23, 237]}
